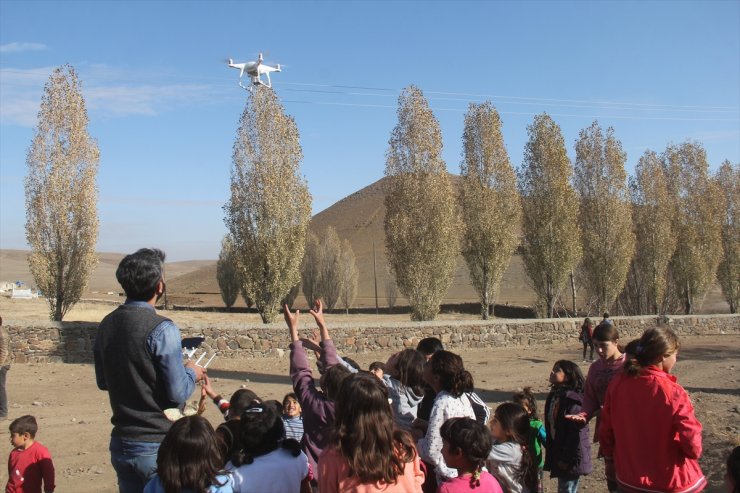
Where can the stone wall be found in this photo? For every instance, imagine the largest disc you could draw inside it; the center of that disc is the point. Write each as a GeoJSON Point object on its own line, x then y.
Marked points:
{"type": "Point", "coordinates": [72, 342]}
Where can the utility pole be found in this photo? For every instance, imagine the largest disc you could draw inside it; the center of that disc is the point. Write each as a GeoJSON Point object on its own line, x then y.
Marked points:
{"type": "Point", "coordinates": [375, 278]}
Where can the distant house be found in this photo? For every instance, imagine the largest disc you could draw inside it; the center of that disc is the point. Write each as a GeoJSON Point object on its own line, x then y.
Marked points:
{"type": "Point", "coordinates": [6, 286]}
{"type": "Point", "coordinates": [23, 294]}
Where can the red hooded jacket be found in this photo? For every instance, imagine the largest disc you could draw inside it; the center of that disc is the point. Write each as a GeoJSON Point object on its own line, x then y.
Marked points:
{"type": "Point", "coordinates": [648, 427]}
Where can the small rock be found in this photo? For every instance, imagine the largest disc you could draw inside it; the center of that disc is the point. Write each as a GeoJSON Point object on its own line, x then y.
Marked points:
{"type": "Point", "coordinates": [37, 403]}
{"type": "Point", "coordinates": [74, 420]}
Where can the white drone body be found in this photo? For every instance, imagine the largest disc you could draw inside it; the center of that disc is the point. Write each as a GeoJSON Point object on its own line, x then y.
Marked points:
{"type": "Point", "coordinates": [255, 71]}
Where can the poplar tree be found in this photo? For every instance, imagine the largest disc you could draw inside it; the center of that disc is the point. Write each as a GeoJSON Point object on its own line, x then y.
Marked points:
{"type": "Point", "coordinates": [728, 273]}
{"type": "Point", "coordinates": [311, 270]}
{"type": "Point", "coordinates": [550, 243]}
{"type": "Point", "coordinates": [61, 194]}
{"type": "Point", "coordinates": [652, 213]}
{"type": "Point", "coordinates": [330, 268]}
{"type": "Point", "coordinates": [421, 221]}
{"type": "Point", "coordinates": [605, 214]}
{"type": "Point", "coordinates": [349, 275]}
{"type": "Point", "coordinates": [489, 202]}
{"type": "Point", "coordinates": [697, 222]}
{"type": "Point", "coordinates": [270, 207]}
{"type": "Point", "coordinates": [321, 271]}
{"type": "Point", "coordinates": [227, 273]}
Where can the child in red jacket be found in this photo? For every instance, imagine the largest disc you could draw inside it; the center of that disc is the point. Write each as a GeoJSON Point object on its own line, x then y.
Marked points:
{"type": "Point", "coordinates": [30, 462]}
{"type": "Point", "coordinates": [648, 425]}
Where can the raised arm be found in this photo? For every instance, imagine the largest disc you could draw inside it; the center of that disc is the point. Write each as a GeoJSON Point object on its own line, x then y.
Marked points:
{"type": "Point", "coordinates": [329, 356]}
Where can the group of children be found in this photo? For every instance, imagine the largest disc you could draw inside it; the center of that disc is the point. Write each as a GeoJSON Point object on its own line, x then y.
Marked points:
{"type": "Point", "coordinates": [414, 424]}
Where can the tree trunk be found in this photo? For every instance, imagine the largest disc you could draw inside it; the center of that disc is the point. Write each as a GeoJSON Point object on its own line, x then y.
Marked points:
{"type": "Point", "coordinates": [573, 291]}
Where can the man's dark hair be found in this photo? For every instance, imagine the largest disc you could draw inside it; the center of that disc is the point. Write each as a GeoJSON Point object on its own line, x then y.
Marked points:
{"type": "Point", "coordinates": [24, 424]}
{"type": "Point", "coordinates": [139, 273]}
{"type": "Point", "coordinates": [429, 346]}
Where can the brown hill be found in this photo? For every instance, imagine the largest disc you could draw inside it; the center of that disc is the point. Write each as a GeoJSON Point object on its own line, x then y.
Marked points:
{"type": "Point", "coordinates": [359, 218]}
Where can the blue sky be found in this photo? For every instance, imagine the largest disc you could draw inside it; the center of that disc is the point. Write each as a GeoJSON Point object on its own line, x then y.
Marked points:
{"type": "Point", "coordinates": [164, 107]}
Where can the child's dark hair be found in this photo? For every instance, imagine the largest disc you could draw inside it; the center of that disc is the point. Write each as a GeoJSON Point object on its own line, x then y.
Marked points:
{"type": "Point", "coordinates": [377, 365]}
{"type": "Point", "coordinates": [527, 400]}
{"type": "Point", "coordinates": [429, 346]}
{"type": "Point", "coordinates": [190, 456]}
{"type": "Point", "coordinates": [574, 379]}
{"type": "Point", "coordinates": [733, 469]}
{"type": "Point", "coordinates": [240, 400]}
{"type": "Point", "coordinates": [332, 379]}
{"type": "Point", "coordinates": [454, 378]}
{"type": "Point", "coordinates": [410, 370]}
{"type": "Point", "coordinates": [606, 333]}
{"type": "Point", "coordinates": [472, 438]}
{"type": "Point", "coordinates": [289, 395]}
{"type": "Point", "coordinates": [653, 346]}
{"type": "Point", "coordinates": [364, 432]}
{"type": "Point", "coordinates": [262, 432]}
{"type": "Point", "coordinates": [514, 420]}
{"type": "Point", "coordinates": [24, 424]}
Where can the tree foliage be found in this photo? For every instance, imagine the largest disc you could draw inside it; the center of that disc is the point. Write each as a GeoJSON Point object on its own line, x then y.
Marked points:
{"type": "Point", "coordinates": [652, 215]}
{"type": "Point", "coordinates": [330, 268]}
{"type": "Point", "coordinates": [311, 269]}
{"type": "Point", "coordinates": [605, 214]}
{"type": "Point", "coordinates": [489, 201]}
{"type": "Point", "coordinates": [728, 273]}
{"type": "Point", "coordinates": [697, 221]}
{"type": "Point", "coordinates": [550, 244]}
{"type": "Point", "coordinates": [227, 273]}
{"type": "Point", "coordinates": [321, 270]}
{"type": "Point", "coordinates": [270, 206]}
{"type": "Point", "coordinates": [349, 275]}
{"type": "Point", "coordinates": [61, 194]}
{"type": "Point", "coordinates": [421, 221]}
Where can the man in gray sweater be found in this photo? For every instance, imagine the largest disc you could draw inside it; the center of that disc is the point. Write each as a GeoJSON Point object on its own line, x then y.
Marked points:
{"type": "Point", "coordinates": [138, 360]}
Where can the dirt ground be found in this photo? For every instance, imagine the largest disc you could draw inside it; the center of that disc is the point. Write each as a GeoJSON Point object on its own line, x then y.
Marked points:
{"type": "Point", "coordinates": [74, 415]}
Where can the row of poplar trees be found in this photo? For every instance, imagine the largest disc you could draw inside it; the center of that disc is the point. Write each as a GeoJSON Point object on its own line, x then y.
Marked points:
{"type": "Point", "coordinates": [653, 243]}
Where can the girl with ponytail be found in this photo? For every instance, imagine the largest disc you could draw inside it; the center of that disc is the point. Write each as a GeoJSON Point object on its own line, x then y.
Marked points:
{"type": "Point", "coordinates": [446, 374]}
{"type": "Point", "coordinates": [648, 426]}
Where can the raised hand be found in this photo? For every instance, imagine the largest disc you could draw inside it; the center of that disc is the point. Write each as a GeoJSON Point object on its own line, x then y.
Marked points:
{"type": "Point", "coordinates": [291, 319]}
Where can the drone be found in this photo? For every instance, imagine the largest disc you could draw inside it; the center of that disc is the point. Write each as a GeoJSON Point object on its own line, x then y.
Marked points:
{"type": "Point", "coordinates": [254, 70]}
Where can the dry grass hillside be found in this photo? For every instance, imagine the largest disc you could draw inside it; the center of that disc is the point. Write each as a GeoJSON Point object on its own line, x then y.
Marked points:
{"type": "Point", "coordinates": [358, 218]}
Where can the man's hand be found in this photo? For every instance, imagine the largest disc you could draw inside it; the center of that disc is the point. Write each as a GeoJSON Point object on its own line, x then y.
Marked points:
{"type": "Point", "coordinates": [200, 372]}
{"type": "Point", "coordinates": [291, 319]}
{"type": "Point", "coordinates": [318, 314]}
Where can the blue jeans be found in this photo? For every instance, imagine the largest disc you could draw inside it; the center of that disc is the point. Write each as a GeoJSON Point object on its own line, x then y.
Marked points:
{"type": "Point", "coordinates": [134, 462]}
{"type": "Point", "coordinates": [568, 485]}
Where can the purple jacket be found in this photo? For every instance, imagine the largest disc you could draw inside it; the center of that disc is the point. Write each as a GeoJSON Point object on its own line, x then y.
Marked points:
{"type": "Point", "coordinates": [567, 443]}
{"type": "Point", "coordinates": [318, 411]}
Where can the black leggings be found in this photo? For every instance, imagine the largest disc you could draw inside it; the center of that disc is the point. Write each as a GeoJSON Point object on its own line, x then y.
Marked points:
{"type": "Point", "coordinates": [591, 345]}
